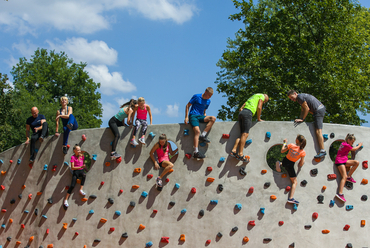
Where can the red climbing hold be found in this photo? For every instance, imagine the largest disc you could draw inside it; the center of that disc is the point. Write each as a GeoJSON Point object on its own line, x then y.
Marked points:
{"type": "Point", "coordinates": [30, 165]}
{"type": "Point", "coordinates": [155, 211]}
{"type": "Point", "coordinates": [119, 160]}
{"type": "Point", "coordinates": [68, 146]}
{"type": "Point", "coordinates": [11, 161]}
{"type": "Point", "coordinates": [112, 229]}
{"type": "Point", "coordinates": [54, 167]}
{"type": "Point", "coordinates": [281, 223]}
{"type": "Point", "coordinates": [209, 168]}
{"type": "Point", "coordinates": [121, 191]}
{"type": "Point", "coordinates": [2, 187]}
{"type": "Point", "coordinates": [251, 223]}
{"type": "Point", "coordinates": [365, 165]}
{"type": "Point", "coordinates": [76, 233]}
{"type": "Point", "coordinates": [208, 241]}
{"type": "Point", "coordinates": [102, 183]}
{"type": "Point", "coordinates": [188, 155]}
{"type": "Point", "coordinates": [287, 188]}
{"type": "Point", "coordinates": [332, 176]}
{"type": "Point", "coordinates": [165, 239]}
{"type": "Point", "coordinates": [30, 196]}
{"type": "Point", "coordinates": [225, 136]}
{"type": "Point", "coordinates": [23, 226]}
{"type": "Point", "coordinates": [149, 176]}
{"type": "Point", "coordinates": [47, 231]}
{"type": "Point", "coordinates": [66, 188]}
{"type": "Point", "coordinates": [167, 180]}
{"type": "Point", "coordinates": [83, 137]}
{"type": "Point", "coordinates": [193, 190]}
{"type": "Point", "coordinates": [346, 227]}
{"type": "Point", "coordinates": [3, 210]}
{"type": "Point", "coordinates": [315, 215]}
{"type": "Point", "coordinates": [251, 190]}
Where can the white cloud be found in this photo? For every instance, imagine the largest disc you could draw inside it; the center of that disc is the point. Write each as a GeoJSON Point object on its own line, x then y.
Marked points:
{"type": "Point", "coordinates": [85, 16]}
{"type": "Point", "coordinates": [154, 110]}
{"type": "Point", "coordinates": [173, 110]}
{"type": "Point", "coordinates": [26, 49]}
{"type": "Point", "coordinates": [111, 83]}
{"type": "Point", "coordinates": [109, 110]}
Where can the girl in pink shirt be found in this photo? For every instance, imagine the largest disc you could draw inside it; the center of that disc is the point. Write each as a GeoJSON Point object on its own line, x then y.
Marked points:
{"type": "Point", "coordinates": [163, 149]}
{"type": "Point", "coordinates": [142, 111]}
{"type": "Point", "coordinates": [344, 165]}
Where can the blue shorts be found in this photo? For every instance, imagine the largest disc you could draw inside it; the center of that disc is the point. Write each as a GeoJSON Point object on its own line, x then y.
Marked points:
{"type": "Point", "coordinates": [195, 119]}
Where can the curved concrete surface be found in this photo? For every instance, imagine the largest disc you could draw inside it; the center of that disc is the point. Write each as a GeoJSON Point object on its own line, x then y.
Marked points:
{"type": "Point", "coordinates": [189, 173]}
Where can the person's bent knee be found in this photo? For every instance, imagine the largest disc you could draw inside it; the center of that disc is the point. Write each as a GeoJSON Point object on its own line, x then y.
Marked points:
{"type": "Point", "coordinates": [212, 119]}
{"type": "Point", "coordinates": [294, 180]}
{"type": "Point", "coordinates": [196, 130]}
{"type": "Point", "coordinates": [356, 163]}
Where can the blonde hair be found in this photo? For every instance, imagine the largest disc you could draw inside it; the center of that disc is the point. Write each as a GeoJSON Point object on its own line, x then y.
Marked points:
{"type": "Point", "coordinates": [210, 90]}
{"type": "Point", "coordinates": [350, 137]}
{"type": "Point", "coordinates": [63, 97]}
{"type": "Point", "coordinates": [141, 99]}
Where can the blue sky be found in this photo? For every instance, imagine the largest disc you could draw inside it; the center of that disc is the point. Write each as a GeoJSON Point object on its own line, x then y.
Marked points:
{"type": "Point", "coordinates": [162, 50]}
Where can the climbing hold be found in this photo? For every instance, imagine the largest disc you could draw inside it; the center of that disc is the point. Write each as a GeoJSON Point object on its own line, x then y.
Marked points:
{"type": "Point", "coordinates": [248, 142]}
{"type": "Point", "coordinates": [262, 210]}
{"type": "Point", "coordinates": [112, 229]}
{"type": "Point", "coordinates": [332, 176]}
{"type": "Point", "coordinates": [50, 200]}
{"type": "Point", "coordinates": [220, 187]}
{"type": "Point", "coordinates": [363, 222]}
{"type": "Point", "coordinates": [83, 137]}
{"type": "Point", "coordinates": [119, 160]}
{"type": "Point", "coordinates": [19, 161]}
{"type": "Point", "coordinates": [193, 190]}
{"type": "Point", "coordinates": [287, 188]}
{"type": "Point", "coordinates": [245, 239]}
{"type": "Point", "coordinates": [102, 220]}
{"type": "Point", "coordinates": [152, 135]}
{"type": "Point", "coordinates": [2, 187]}
{"type": "Point", "coordinates": [284, 175]}
{"type": "Point", "coordinates": [92, 196]}
{"type": "Point", "coordinates": [320, 198]}
{"type": "Point", "coordinates": [349, 207]}
{"type": "Point", "coordinates": [124, 235]}
{"type": "Point", "coordinates": [1, 161]}
{"type": "Point", "coordinates": [20, 196]}
{"type": "Point", "coordinates": [182, 237]}
{"type": "Point", "coordinates": [210, 179]}
{"type": "Point", "coordinates": [107, 163]}
{"type": "Point", "coordinates": [94, 157]}
{"type": "Point", "coordinates": [225, 136]}
{"type": "Point", "coordinates": [11, 161]}
{"type": "Point", "coordinates": [149, 244]}
{"type": "Point", "coordinates": [326, 231]}
{"type": "Point", "coordinates": [137, 170]}
{"type": "Point", "coordinates": [235, 229]}
{"type": "Point", "coordinates": [346, 227]}
{"type": "Point", "coordinates": [3, 226]}
{"type": "Point", "coordinates": [238, 206]}
{"type": "Point", "coordinates": [23, 226]}
{"type": "Point", "coordinates": [222, 159]}
{"type": "Point", "coordinates": [183, 211]}
{"type": "Point", "coordinates": [331, 204]}
{"type": "Point", "coordinates": [110, 200]}
{"type": "Point", "coordinates": [242, 171]}
{"type": "Point", "coordinates": [214, 202]}
{"type": "Point", "coordinates": [144, 194]}
{"type": "Point", "coordinates": [201, 212]}
{"type": "Point", "coordinates": [26, 211]}
{"type": "Point", "coordinates": [208, 241]}
{"type": "Point", "coordinates": [323, 188]}
{"type": "Point", "coordinates": [141, 227]}
{"type": "Point", "coordinates": [31, 238]}
{"type": "Point", "coordinates": [9, 238]}
{"type": "Point", "coordinates": [149, 176]}
{"type": "Point", "coordinates": [155, 211]}
{"type": "Point", "coordinates": [325, 136]}
{"type": "Point", "coordinates": [209, 168]}
{"type": "Point", "coordinates": [18, 242]}
{"type": "Point", "coordinates": [315, 215]}
{"type": "Point", "coordinates": [76, 233]}
{"type": "Point", "coordinates": [348, 185]}
{"type": "Point", "coordinates": [3, 210]}
{"type": "Point", "coordinates": [97, 240]}
{"type": "Point", "coordinates": [267, 184]}
{"type": "Point", "coordinates": [332, 135]}
{"type": "Point", "coordinates": [295, 207]}
{"type": "Point", "coordinates": [30, 196]}
{"type": "Point", "coordinates": [135, 186]}
{"type": "Point", "coordinates": [65, 225]}
{"type": "Point", "coordinates": [267, 239]}
{"type": "Point", "coordinates": [121, 191]}
{"type": "Point", "coordinates": [30, 165]}
{"type": "Point", "coordinates": [84, 199]}
{"type": "Point", "coordinates": [172, 203]}
{"type": "Point", "coordinates": [44, 216]}
{"type": "Point", "coordinates": [54, 167]}
{"type": "Point", "coordinates": [188, 155]}
{"type": "Point", "coordinates": [12, 201]}
{"type": "Point", "coordinates": [23, 186]}
{"type": "Point", "coordinates": [314, 171]}
{"type": "Point", "coordinates": [167, 180]}
{"type": "Point", "coordinates": [364, 181]}
{"type": "Point", "coordinates": [177, 185]}
{"type": "Point", "coordinates": [304, 182]}
{"type": "Point", "coordinates": [39, 193]}
{"type": "Point", "coordinates": [364, 164]}
{"type": "Point", "coordinates": [74, 219]}
{"type": "Point", "coordinates": [307, 226]}
{"type": "Point", "coordinates": [251, 223]}
{"type": "Point", "coordinates": [45, 167]}
{"type": "Point", "coordinates": [3, 173]}
{"type": "Point", "coordinates": [91, 211]}
{"type": "Point", "coordinates": [186, 132]}
{"type": "Point", "coordinates": [250, 190]}
{"type": "Point", "coordinates": [118, 213]}
{"type": "Point", "coordinates": [219, 235]}
{"type": "Point", "coordinates": [281, 223]}
{"type": "Point", "coordinates": [364, 197]}
{"type": "Point", "coordinates": [132, 203]}
{"type": "Point", "coordinates": [50, 246]}
{"type": "Point", "coordinates": [263, 172]}
{"type": "Point", "coordinates": [268, 135]}
{"type": "Point", "coordinates": [273, 197]}
{"type": "Point", "coordinates": [66, 163]}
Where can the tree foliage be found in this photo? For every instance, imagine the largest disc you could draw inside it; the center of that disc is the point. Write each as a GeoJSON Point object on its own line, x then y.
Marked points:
{"type": "Point", "coordinates": [320, 47]}
{"type": "Point", "coordinates": [42, 81]}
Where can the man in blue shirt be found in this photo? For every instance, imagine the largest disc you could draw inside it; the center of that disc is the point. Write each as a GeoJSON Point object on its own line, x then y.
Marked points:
{"type": "Point", "coordinates": [39, 126]}
{"type": "Point", "coordinates": [198, 105]}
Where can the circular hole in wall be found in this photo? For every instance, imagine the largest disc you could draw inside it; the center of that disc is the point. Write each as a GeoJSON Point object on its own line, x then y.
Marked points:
{"type": "Point", "coordinates": [274, 154]}
{"type": "Point", "coordinates": [87, 162]}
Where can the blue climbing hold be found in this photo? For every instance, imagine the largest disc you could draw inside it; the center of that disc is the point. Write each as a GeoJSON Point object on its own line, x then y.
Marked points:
{"type": "Point", "coordinates": [238, 206]}
{"type": "Point", "coordinates": [111, 143]}
{"type": "Point", "coordinates": [45, 167]}
{"type": "Point", "coordinates": [295, 206]}
{"type": "Point", "coordinates": [149, 244]}
{"type": "Point", "coordinates": [268, 135]}
{"type": "Point", "coordinates": [26, 211]}
{"type": "Point", "coordinates": [74, 219]}
{"type": "Point", "coordinates": [262, 210]}
{"type": "Point", "coordinates": [177, 186]}
{"type": "Point", "coordinates": [19, 161]}
{"type": "Point", "coordinates": [248, 142]}
{"type": "Point", "coordinates": [36, 150]}
{"type": "Point", "coordinates": [44, 216]}
{"type": "Point", "coordinates": [94, 156]}
{"type": "Point", "coordinates": [1, 161]}
{"type": "Point", "coordinates": [66, 163]}
{"type": "Point", "coordinates": [202, 144]}
{"type": "Point", "coordinates": [152, 135]}
{"type": "Point", "coordinates": [360, 147]}
{"type": "Point", "coordinates": [325, 136]}
{"type": "Point", "coordinates": [214, 202]}
{"type": "Point", "coordinates": [3, 226]}
{"type": "Point", "coordinates": [331, 204]}
{"type": "Point", "coordinates": [118, 213]}
{"type": "Point", "coordinates": [91, 211]}
{"type": "Point", "coordinates": [144, 194]}
{"type": "Point", "coordinates": [349, 207]}
{"type": "Point", "coordinates": [222, 159]}
{"type": "Point", "coordinates": [186, 132]}
{"type": "Point", "coordinates": [183, 211]}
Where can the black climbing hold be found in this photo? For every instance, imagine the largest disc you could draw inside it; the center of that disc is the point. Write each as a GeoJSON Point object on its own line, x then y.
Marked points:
{"type": "Point", "coordinates": [332, 135]}
{"type": "Point", "coordinates": [267, 184]}
{"type": "Point", "coordinates": [219, 235]}
{"type": "Point", "coordinates": [132, 203]}
{"type": "Point", "coordinates": [235, 229]}
{"type": "Point", "coordinates": [9, 238]}
{"type": "Point", "coordinates": [201, 212]}
{"type": "Point", "coordinates": [172, 203]}
{"type": "Point", "coordinates": [36, 211]}
{"type": "Point", "coordinates": [364, 197]}
{"type": "Point", "coordinates": [320, 198]}
{"type": "Point", "coordinates": [307, 226]}
{"type": "Point", "coordinates": [27, 246]}
{"type": "Point", "coordinates": [110, 200]}
{"type": "Point", "coordinates": [12, 201]}
{"type": "Point", "coordinates": [41, 246]}
{"type": "Point", "coordinates": [124, 235]}
{"type": "Point", "coordinates": [292, 245]}
{"type": "Point", "coordinates": [93, 196]}
{"type": "Point", "coordinates": [20, 196]}
{"type": "Point", "coordinates": [220, 187]}
{"type": "Point", "coordinates": [349, 245]}
{"type": "Point", "coordinates": [314, 171]}
{"type": "Point", "coordinates": [267, 239]}
{"type": "Point", "coordinates": [304, 183]}
{"type": "Point", "coordinates": [242, 171]}
{"type": "Point", "coordinates": [97, 240]}
{"type": "Point", "coordinates": [349, 185]}
{"type": "Point", "coordinates": [50, 200]}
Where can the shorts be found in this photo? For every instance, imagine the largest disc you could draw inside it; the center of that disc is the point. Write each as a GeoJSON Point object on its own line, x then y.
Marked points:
{"type": "Point", "coordinates": [195, 119]}
{"type": "Point", "coordinates": [289, 166]}
{"type": "Point", "coordinates": [318, 117]}
{"type": "Point", "coordinates": [340, 164]}
{"type": "Point", "coordinates": [245, 120]}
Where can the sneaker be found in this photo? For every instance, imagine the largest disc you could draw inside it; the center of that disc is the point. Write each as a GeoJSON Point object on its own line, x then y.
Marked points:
{"type": "Point", "coordinates": [41, 139]}
{"type": "Point", "coordinates": [292, 200]}
{"type": "Point", "coordinates": [82, 193]}
{"type": "Point", "coordinates": [278, 168]}
{"type": "Point", "coordinates": [70, 126]}
{"type": "Point", "coordinates": [198, 155]}
{"type": "Point", "coordinates": [65, 150]}
{"type": "Point", "coordinates": [204, 139]}
{"type": "Point", "coordinates": [341, 197]}
{"type": "Point", "coordinates": [32, 159]}
{"type": "Point", "coordinates": [158, 181]}
{"type": "Point", "coordinates": [66, 203]}
{"type": "Point", "coordinates": [133, 142]}
{"type": "Point", "coordinates": [142, 140]}
{"type": "Point", "coordinates": [114, 156]}
{"type": "Point", "coordinates": [350, 179]}
{"type": "Point", "coordinates": [320, 154]}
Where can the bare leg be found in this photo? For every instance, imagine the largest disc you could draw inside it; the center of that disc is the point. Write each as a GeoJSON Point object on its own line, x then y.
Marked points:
{"type": "Point", "coordinates": [167, 167]}
{"type": "Point", "coordinates": [294, 185]}
{"type": "Point", "coordinates": [343, 173]}
{"type": "Point", "coordinates": [67, 196]}
{"type": "Point", "coordinates": [320, 139]}
{"type": "Point", "coordinates": [236, 145]}
{"type": "Point", "coordinates": [243, 138]}
{"type": "Point", "coordinates": [352, 165]}
{"type": "Point", "coordinates": [196, 136]}
{"type": "Point", "coordinates": [210, 121]}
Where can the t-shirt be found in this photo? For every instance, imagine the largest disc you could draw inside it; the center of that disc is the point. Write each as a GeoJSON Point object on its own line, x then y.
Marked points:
{"type": "Point", "coordinates": [78, 163]}
{"type": "Point", "coordinates": [342, 155]}
{"type": "Point", "coordinates": [121, 115]}
{"type": "Point", "coordinates": [294, 153]}
{"type": "Point", "coordinates": [252, 102]}
{"type": "Point", "coordinates": [198, 105]}
{"type": "Point", "coordinates": [35, 122]}
{"type": "Point", "coordinates": [312, 102]}
{"type": "Point", "coordinates": [162, 156]}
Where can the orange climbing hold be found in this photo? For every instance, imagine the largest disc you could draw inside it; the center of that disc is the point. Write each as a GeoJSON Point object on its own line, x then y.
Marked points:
{"type": "Point", "coordinates": [84, 199]}
{"type": "Point", "coordinates": [83, 137]}
{"type": "Point", "coordinates": [363, 222]}
{"type": "Point", "coordinates": [332, 176]}
{"type": "Point", "coordinates": [51, 246]}
{"type": "Point", "coordinates": [39, 193]}
{"type": "Point", "coordinates": [325, 231]}
{"type": "Point", "coordinates": [245, 239]}
{"type": "Point", "coordinates": [141, 227]}
{"type": "Point", "coordinates": [170, 171]}
{"type": "Point", "coordinates": [135, 186]}
{"type": "Point", "coordinates": [182, 237]}
{"type": "Point", "coordinates": [210, 179]}
{"type": "Point", "coordinates": [10, 220]}
{"type": "Point", "coordinates": [284, 175]}
{"type": "Point", "coordinates": [3, 173]}
{"type": "Point", "coordinates": [364, 181]}
{"type": "Point", "coordinates": [23, 226]}
{"type": "Point", "coordinates": [102, 220]}
{"type": "Point", "coordinates": [107, 163]}
{"type": "Point", "coordinates": [23, 186]}
{"type": "Point", "coordinates": [324, 187]}
{"type": "Point", "coordinates": [65, 226]}
{"type": "Point", "coordinates": [137, 170]}
{"type": "Point", "coordinates": [317, 160]}
{"type": "Point", "coordinates": [263, 171]}
{"type": "Point", "coordinates": [31, 238]}
{"type": "Point", "coordinates": [18, 242]}
{"type": "Point", "coordinates": [273, 197]}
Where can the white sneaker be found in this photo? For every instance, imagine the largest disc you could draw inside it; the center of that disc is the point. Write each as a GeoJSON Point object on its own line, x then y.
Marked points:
{"type": "Point", "coordinates": [66, 203]}
{"type": "Point", "coordinates": [142, 140]}
{"type": "Point", "coordinates": [82, 193]}
{"type": "Point", "coordinates": [134, 143]}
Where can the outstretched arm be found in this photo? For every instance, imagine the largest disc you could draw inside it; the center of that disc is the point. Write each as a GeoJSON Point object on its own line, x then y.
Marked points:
{"type": "Point", "coordinates": [187, 113]}
{"type": "Point", "coordinates": [304, 112]}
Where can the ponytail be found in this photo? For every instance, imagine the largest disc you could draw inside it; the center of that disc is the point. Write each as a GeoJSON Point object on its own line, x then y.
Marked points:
{"type": "Point", "coordinates": [302, 141]}
{"type": "Point", "coordinates": [350, 137]}
{"type": "Point", "coordinates": [131, 104]}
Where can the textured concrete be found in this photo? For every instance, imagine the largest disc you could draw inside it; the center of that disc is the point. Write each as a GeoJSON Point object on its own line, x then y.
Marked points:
{"type": "Point", "coordinates": [169, 221]}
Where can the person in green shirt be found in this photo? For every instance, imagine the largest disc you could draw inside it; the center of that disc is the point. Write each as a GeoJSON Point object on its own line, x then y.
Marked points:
{"type": "Point", "coordinates": [249, 108]}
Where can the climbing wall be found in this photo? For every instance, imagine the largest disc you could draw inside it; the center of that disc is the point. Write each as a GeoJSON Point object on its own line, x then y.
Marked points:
{"type": "Point", "coordinates": [215, 202]}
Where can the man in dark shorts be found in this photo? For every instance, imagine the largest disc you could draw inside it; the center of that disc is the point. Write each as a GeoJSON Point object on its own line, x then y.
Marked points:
{"type": "Point", "coordinates": [249, 108]}
{"type": "Point", "coordinates": [39, 126]}
{"type": "Point", "coordinates": [199, 104]}
{"type": "Point", "coordinates": [310, 104]}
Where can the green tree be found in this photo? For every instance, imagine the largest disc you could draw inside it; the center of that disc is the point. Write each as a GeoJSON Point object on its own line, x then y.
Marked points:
{"type": "Point", "coordinates": [320, 47]}
{"type": "Point", "coordinates": [43, 80]}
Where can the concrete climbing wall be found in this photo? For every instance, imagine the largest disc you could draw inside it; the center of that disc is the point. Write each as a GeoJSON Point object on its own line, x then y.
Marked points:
{"type": "Point", "coordinates": [280, 225]}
